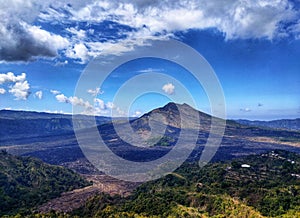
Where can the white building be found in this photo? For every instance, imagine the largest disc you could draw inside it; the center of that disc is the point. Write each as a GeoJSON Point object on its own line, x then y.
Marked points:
{"type": "Point", "coordinates": [245, 166]}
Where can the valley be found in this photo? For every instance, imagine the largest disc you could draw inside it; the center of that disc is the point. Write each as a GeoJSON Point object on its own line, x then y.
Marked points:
{"type": "Point", "coordinates": [241, 144]}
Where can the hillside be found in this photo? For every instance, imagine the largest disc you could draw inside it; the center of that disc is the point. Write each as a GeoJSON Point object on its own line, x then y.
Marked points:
{"type": "Point", "coordinates": [22, 126]}
{"type": "Point", "coordinates": [26, 182]}
{"type": "Point", "coordinates": [270, 187]}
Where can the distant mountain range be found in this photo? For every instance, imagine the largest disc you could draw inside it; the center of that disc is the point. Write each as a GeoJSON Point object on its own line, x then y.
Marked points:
{"type": "Point", "coordinates": [286, 124]}
{"type": "Point", "coordinates": [18, 126]}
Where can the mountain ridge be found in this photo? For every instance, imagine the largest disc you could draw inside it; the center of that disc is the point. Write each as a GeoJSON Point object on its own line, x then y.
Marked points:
{"type": "Point", "coordinates": [285, 124]}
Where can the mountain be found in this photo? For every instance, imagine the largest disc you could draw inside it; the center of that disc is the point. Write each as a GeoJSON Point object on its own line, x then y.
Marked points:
{"type": "Point", "coordinates": [27, 182]}
{"type": "Point", "coordinates": [167, 125]}
{"type": "Point", "coordinates": [269, 187]}
{"type": "Point", "coordinates": [174, 115]}
{"type": "Point", "coordinates": [248, 175]}
{"type": "Point", "coordinates": [285, 124]}
{"type": "Point", "coordinates": [19, 126]}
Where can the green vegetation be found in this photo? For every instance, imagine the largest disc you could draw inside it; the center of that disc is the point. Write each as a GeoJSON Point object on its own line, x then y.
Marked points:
{"type": "Point", "coordinates": [163, 141]}
{"type": "Point", "coordinates": [27, 182]}
{"type": "Point", "coordinates": [269, 187]}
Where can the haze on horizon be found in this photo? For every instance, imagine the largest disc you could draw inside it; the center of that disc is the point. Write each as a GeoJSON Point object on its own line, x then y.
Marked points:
{"type": "Point", "coordinates": [253, 47]}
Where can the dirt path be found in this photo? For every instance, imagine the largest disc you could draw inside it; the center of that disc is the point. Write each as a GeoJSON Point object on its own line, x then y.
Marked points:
{"type": "Point", "coordinates": [69, 201]}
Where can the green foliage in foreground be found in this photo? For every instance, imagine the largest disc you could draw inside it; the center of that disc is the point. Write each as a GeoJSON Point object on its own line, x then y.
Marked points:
{"type": "Point", "coordinates": [268, 188]}
{"type": "Point", "coordinates": [27, 182]}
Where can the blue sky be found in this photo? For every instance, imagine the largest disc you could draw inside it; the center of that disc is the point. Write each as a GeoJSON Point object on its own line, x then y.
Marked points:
{"type": "Point", "coordinates": [253, 47]}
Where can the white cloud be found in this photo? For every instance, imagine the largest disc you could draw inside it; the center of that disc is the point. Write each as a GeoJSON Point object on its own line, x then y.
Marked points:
{"type": "Point", "coordinates": [98, 108]}
{"type": "Point", "coordinates": [99, 103]}
{"type": "Point", "coordinates": [50, 40]}
{"type": "Point", "coordinates": [21, 41]}
{"type": "Point", "coordinates": [61, 63]}
{"type": "Point", "coordinates": [235, 18]}
{"type": "Point", "coordinates": [78, 51]}
{"type": "Point", "coordinates": [95, 92]}
{"type": "Point", "coordinates": [17, 85]}
{"type": "Point", "coordinates": [160, 19]}
{"type": "Point", "coordinates": [2, 91]}
{"type": "Point", "coordinates": [10, 77]}
{"type": "Point", "coordinates": [80, 34]}
{"type": "Point", "coordinates": [146, 19]}
{"type": "Point", "coordinates": [61, 98]}
{"type": "Point", "coordinates": [55, 112]}
{"type": "Point", "coordinates": [151, 70]}
{"type": "Point", "coordinates": [79, 102]}
{"type": "Point", "coordinates": [20, 90]}
{"type": "Point", "coordinates": [110, 105]}
{"type": "Point", "coordinates": [120, 112]}
{"type": "Point", "coordinates": [169, 88]}
{"type": "Point", "coordinates": [75, 101]}
{"type": "Point", "coordinates": [55, 92]}
{"type": "Point", "coordinates": [39, 94]}
{"type": "Point", "coordinates": [137, 114]}
{"type": "Point", "coordinates": [245, 109]}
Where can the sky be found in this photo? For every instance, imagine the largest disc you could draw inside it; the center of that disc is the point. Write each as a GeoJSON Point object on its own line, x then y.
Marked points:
{"type": "Point", "coordinates": [253, 48]}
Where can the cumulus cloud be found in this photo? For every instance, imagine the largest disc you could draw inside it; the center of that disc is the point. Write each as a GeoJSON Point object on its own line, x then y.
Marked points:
{"type": "Point", "coordinates": [79, 51]}
{"type": "Point", "coordinates": [38, 94]}
{"type": "Point", "coordinates": [98, 108]}
{"type": "Point", "coordinates": [79, 102]}
{"type": "Point", "coordinates": [236, 19]}
{"type": "Point", "coordinates": [61, 98]}
{"type": "Point", "coordinates": [95, 92]}
{"type": "Point", "coordinates": [75, 101]}
{"type": "Point", "coordinates": [20, 90]}
{"type": "Point", "coordinates": [2, 91]}
{"type": "Point", "coordinates": [23, 42]}
{"type": "Point", "coordinates": [99, 103]}
{"type": "Point", "coordinates": [169, 88]}
{"type": "Point", "coordinates": [11, 77]}
{"type": "Point", "coordinates": [17, 85]}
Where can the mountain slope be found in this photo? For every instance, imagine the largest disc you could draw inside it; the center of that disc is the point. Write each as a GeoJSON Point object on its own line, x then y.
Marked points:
{"type": "Point", "coordinates": [26, 182]}
{"type": "Point", "coordinates": [269, 187]}
{"type": "Point", "coordinates": [175, 115]}
{"type": "Point", "coordinates": [18, 125]}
